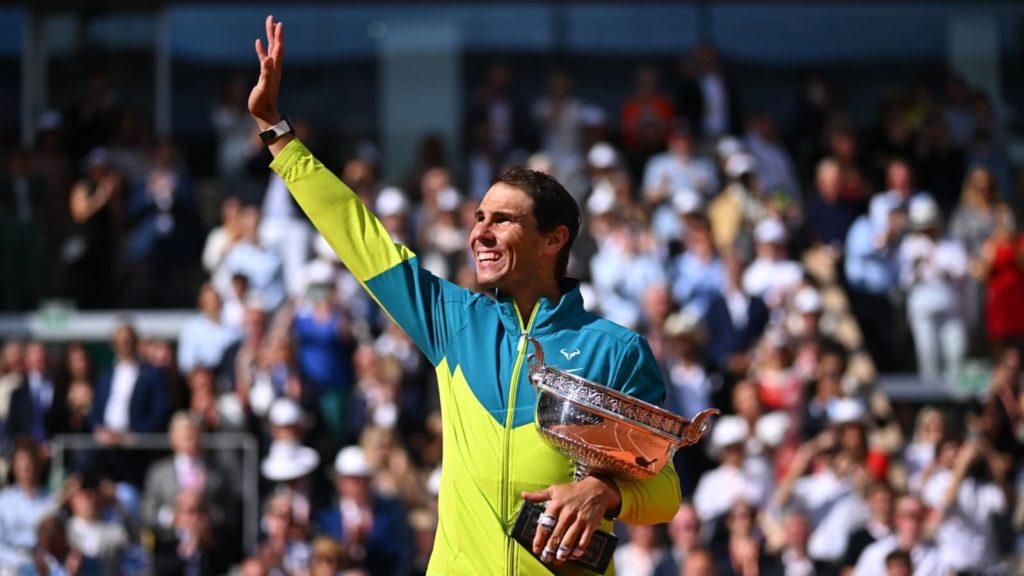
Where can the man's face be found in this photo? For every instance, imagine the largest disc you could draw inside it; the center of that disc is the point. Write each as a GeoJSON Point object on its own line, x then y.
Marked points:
{"type": "Point", "coordinates": [506, 244]}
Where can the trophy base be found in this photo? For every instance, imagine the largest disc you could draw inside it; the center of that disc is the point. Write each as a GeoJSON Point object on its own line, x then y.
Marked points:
{"type": "Point", "coordinates": [598, 554]}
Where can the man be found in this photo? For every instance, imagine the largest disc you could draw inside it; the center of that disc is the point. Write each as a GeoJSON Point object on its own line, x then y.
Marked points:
{"type": "Point", "coordinates": [493, 455]}
{"type": "Point", "coordinates": [908, 537]}
{"type": "Point", "coordinates": [205, 337]}
{"type": "Point", "coordinates": [36, 407]}
{"type": "Point", "coordinates": [21, 507]}
{"type": "Point", "coordinates": [132, 396]}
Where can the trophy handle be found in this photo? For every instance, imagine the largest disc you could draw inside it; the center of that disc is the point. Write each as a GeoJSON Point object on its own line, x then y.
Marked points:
{"type": "Point", "coordinates": [697, 427]}
{"type": "Point", "coordinates": [536, 359]}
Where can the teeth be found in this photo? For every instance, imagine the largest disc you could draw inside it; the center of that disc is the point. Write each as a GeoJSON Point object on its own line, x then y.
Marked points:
{"type": "Point", "coordinates": [487, 257]}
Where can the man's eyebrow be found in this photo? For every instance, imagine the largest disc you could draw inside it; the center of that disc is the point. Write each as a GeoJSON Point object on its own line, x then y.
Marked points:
{"type": "Point", "coordinates": [501, 214]}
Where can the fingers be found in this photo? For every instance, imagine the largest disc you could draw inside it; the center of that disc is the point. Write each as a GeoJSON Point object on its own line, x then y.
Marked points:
{"type": "Point", "coordinates": [260, 53]}
{"type": "Point", "coordinates": [537, 497]}
{"type": "Point", "coordinates": [269, 25]}
{"type": "Point", "coordinates": [568, 545]}
{"type": "Point", "coordinates": [584, 543]}
{"type": "Point", "coordinates": [546, 524]}
{"type": "Point", "coordinates": [278, 47]}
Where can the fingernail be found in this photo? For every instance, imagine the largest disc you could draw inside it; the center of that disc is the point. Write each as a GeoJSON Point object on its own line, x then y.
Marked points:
{"type": "Point", "coordinates": [545, 556]}
{"type": "Point", "coordinates": [578, 553]}
{"type": "Point", "coordinates": [562, 554]}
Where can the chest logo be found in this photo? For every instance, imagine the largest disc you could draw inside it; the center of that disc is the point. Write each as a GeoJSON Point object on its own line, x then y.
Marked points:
{"type": "Point", "coordinates": [570, 354]}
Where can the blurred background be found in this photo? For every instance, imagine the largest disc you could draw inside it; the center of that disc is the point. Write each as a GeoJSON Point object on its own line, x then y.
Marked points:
{"type": "Point", "coordinates": [809, 209]}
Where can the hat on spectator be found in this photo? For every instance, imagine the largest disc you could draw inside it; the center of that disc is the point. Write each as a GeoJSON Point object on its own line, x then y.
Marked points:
{"type": "Point", "coordinates": [319, 272]}
{"type": "Point", "coordinates": [686, 201]}
{"type": "Point", "coordinates": [771, 429]}
{"type": "Point", "coordinates": [390, 202]}
{"type": "Point", "coordinates": [448, 199]}
{"type": "Point", "coordinates": [289, 461]}
{"type": "Point", "coordinates": [681, 323]}
{"type": "Point", "coordinates": [434, 482]}
{"type": "Point", "coordinates": [602, 199]}
{"type": "Point", "coordinates": [770, 231]}
{"type": "Point", "coordinates": [601, 156]}
{"type": "Point", "coordinates": [285, 412]}
{"type": "Point", "coordinates": [739, 164]}
{"type": "Point", "coordinates": [807, 301]}
{"type": "Point", "coordinates": [923, 212]}
{"type": "Point", "coordinates": [728, 431]}
{"type": "Point", "coordinates": [845, 411]}
{"type": "Point", "coordinates": [351, 461]}
{"type": "Point", "coordinates": [728, 146]}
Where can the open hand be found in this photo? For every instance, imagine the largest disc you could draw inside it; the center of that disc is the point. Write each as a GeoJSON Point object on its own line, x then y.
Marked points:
{"type": "Point", "coordinates": [578, 509]}
{"type": "Point", "coordinates": [263, 98]}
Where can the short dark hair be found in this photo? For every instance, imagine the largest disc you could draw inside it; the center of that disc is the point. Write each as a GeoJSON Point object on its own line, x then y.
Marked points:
{"type": "Point", "coordinates": [553, 206]}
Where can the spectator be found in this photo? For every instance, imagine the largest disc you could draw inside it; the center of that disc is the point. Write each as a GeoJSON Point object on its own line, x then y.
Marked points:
{"type": "Point", "coordinates": [559, 117]}
{"type": "Point", "coordinates": [678, 168]}
{"type": "Point", "coordinates": [932, 269]}
{"type": "Point", "coordinates": [260, 265]}
{"type": "Point", "coordinates": [100, 540]}
{"type": "Point", "coordinates": [131, 397]}
{"type": "Point", "coordinates": [740, 206]}
{"type": "Point", "coordinates": [707, 98]}
{"type": "Point", "coordinates": [53, 554]}
{"type": "Point", "coordinates": [78, 400]}
{"type": "Point", "coordinates": [1001, 266]}
{"type": "Point", "coordinates": [689, 386]}
{"type": "Point", "coordinates": [188, 470]}
{"type": "Point", "coordinates": [697, 274]}
{"type": "Point", "coordinates": [221, 239]}
{"type": "Point", "coordinates": [699, 563]}
{"type": "Point", "coordinates": [284, 544]}
{"type": "Point", "coordinates": [22, 506]}
{"type": "Point", "coordinates": [372, 529]}
{"type": "Point", "coordinates": [929, 432]}
{"type": "Point", "coordinates": [37, 407]}
{"type": "Point", "coordinates": [289, 466]}
{"type": "Point", "coordinates": [908, 537]}
{"type": "Point", "coordinates": [872, 271]}
{"type": "Point", "coordinates": [641, 554]}
{"type": "Point", "coordinates": [188, 547]}
{"type": "Point", "coordinates": [646, 116]}
{"type": "Point", "coordinates": [772, 276]}
{"type": "Point", "coordinates": [828, 218]}
{"type": "Point", "coordinates": [775, 171]}
{"type": "Point", "coordinates": [205, 338]}
{"type": "Point", "coordinates": [237, 144]}
{"type": "Point", "coordinates": [737, 542]}
{"type": "Point", "coordinates": [877, 527]}
{"type": "Point", "coordinates": [735, 322]}
{"type": "Point", "coordinates": [972, 224]}
{"type": "Point", "coordinates": [95, 205]}
{"type": "Point", "coordinates": [684, 539]}
{"type": "Point", "coordinates": [719, 489]}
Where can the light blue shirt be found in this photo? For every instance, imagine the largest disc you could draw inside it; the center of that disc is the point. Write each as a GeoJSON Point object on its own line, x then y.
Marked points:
{"type": "Point", "coordinates": [696, 173]}
{"type": "Point", "coordinates": [695, 283]}
{"type": "Point", "coordinates": [264, 269]}
{"type": "Point", "coordinates": [202, 342]}
{"type": "Point", "coordinates": [868, 267]}
{"type": "Point", "coordinates": [19, 515]}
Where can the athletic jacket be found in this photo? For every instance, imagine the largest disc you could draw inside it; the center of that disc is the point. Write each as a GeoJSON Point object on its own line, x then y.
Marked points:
{"type": "Point", "coordinates": [478, 344]}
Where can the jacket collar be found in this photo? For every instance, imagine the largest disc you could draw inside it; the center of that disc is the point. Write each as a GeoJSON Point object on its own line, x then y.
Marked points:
{"type": "Point", "coordinates": [551, 315]}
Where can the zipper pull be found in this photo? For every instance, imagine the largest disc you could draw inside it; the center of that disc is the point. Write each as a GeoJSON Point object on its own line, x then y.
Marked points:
{"type": "Point", "coordinates": [522, 343]}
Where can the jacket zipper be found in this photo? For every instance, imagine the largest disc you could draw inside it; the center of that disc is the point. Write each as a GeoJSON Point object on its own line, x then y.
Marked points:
{"type": "Point", "coordinates": [506, 437]}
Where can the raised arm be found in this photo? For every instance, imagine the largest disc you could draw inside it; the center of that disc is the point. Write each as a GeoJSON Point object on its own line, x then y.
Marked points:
{"type": "Point", "coordinates": [263, 98]}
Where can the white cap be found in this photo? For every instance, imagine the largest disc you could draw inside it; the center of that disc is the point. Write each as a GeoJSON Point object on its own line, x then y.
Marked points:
{"type": "Point", "coordinates": [727, 431]}
{"type": "Point", "coordinates": [448, 199]}
{"type": "Point", "coordinates": [601, 156]}
{"type": "Point", "coordinates": [845, 411]}
{"type": "Point", "coordinates": [807, 301]}
{"type": "Point", "coordinates": [319, 272]}
{"type": "Point", "coordinates": [351, 461]}
{"type": "Point", "coordinates": [602, 199]}
{"type": "Point", "coordinates": [923, 212]}
{"type": "Point", "coordinates": [770, 231]}
{"type": "Point", "coordinates": [680, 323]}
{"type": "Point", "coordinates": [771, 429]}
{"type": "Point", "coordinates": [739, 164]}
{"type": "Point", "coordinates": [728, 146]}
{"type": "Point", "coordinates": [687, 201]}
{"type": "Point", "coordinates": [285, 412]}
{"type": "Point", "coordinates": [434, 482]}
{"type": "Point", "coordinates": [288, 461]}
{"type": "Point", "coordinates": [390, 202]}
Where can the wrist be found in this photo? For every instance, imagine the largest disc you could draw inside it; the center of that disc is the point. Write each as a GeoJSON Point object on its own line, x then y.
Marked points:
{"type": "Point", "coordinates": [612, 497]}
{"type": "Point", "coordinates": [265, 120]}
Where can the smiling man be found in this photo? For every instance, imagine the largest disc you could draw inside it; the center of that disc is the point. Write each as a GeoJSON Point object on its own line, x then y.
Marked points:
{"type": "Point", "coordinates": [493, 456]}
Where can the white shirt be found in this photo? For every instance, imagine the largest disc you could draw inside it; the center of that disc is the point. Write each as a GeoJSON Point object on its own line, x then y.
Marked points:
{"type": "Point", "coordinates": [277, 201]}
{"type": "Point", "coordinates": [926, 261]}
{"type": "Point", "coordinates": [835, 512]}
{"type": "Point", "coordinates": [772, 280]}
{"type": "Point", "coordinates": [630, 560]}
{"type": "Point", "coordinates": [964, 537]}
{"type": "Point", "coordinates": [722, 487]}
{"type": "Point", "coordinates": [203, 341]}
{"type": "Point", "coordinates": [924, 557]}
{"type": "Point", "coordinates": [122, 385]}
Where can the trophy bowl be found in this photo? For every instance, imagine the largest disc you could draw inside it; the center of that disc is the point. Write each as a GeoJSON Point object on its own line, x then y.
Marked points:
{"type": "Point", "coordinates": [605, 431]}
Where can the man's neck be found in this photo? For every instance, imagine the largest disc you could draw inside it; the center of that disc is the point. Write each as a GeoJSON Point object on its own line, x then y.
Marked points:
{"type": "Point", "coordinates": [526, 300]}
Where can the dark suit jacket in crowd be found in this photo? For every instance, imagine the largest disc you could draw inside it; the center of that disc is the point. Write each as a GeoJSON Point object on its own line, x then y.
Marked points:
{"type": "Point", "coordinates": [148, 408]}
{"type": "Point", "coordinates": [388, 549]}
{"type": "Point", "coordinates": [725, 339]}
{"type": "Point", "coordinates": [22, 411]}
{"type": "Point", "coordinates": [689, 100]}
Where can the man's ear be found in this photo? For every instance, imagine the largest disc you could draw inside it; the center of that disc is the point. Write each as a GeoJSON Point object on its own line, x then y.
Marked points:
{"type": "Point", "coordinates": [556, 239]}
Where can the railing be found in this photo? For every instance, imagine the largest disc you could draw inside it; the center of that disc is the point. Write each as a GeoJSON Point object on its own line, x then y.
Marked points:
{"type": "Point", "coordinates": [63, 443]}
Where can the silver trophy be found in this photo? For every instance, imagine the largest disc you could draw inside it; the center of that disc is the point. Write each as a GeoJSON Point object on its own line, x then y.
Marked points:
{"type": "Point", "coordinates": [602, 431]}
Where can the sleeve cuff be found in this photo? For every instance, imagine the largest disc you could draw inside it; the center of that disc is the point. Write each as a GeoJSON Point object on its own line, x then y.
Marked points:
{"type": "Point", "coordinates": [288, 156]}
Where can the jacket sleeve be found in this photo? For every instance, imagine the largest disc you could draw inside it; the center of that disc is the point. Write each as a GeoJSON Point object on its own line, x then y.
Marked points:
{"type": "Point", "coordinates": [656, 500]}
{"type": "Point", "coordinates": [428, 308]}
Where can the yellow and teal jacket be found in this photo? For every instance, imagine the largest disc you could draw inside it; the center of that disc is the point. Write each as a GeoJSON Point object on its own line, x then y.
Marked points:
{"type": "Point", "coordinates": [478, 345]}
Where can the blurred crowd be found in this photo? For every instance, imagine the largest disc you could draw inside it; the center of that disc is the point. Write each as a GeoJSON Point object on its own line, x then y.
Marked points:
{"type": "Point", "coordinates": [775, 270]}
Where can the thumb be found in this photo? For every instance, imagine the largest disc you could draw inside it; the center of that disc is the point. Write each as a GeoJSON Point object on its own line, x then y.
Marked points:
{"type": "Point", "coordinates": [537, 497]}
